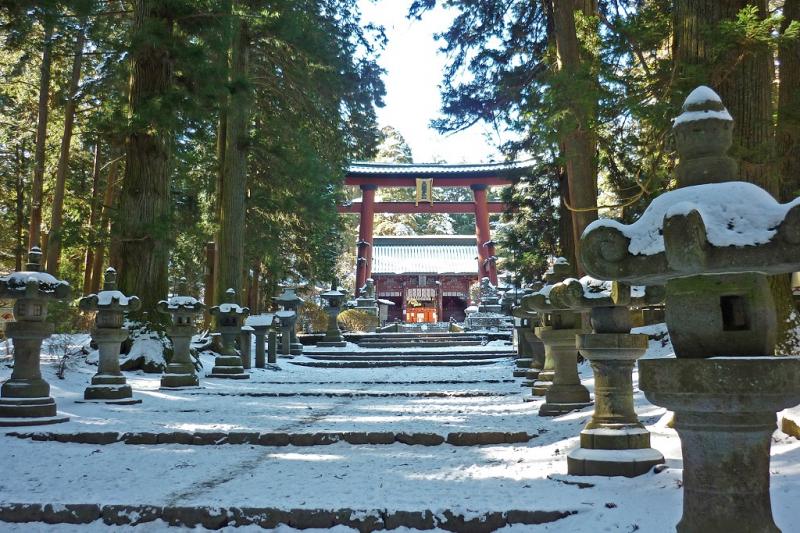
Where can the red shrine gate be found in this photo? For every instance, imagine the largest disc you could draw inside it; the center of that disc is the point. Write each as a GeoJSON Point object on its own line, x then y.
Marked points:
{"type": "Point", "coordinates": [370, 176]}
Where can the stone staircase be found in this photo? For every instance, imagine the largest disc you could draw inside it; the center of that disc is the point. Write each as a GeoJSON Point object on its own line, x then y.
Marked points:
{"type": "Point", "coordinates": [410, 349]}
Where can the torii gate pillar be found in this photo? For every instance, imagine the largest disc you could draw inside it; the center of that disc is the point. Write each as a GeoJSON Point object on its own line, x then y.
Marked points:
{"type": "Point", "coordinates": [365, 230]}
{"type": "Point", "coordinates": [486, 255]}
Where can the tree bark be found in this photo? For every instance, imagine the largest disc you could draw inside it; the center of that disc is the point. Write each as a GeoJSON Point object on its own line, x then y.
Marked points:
{"type": "Point", "coordinates": [230, 244]}
{"type": "Point", "coordinates": [19, 208]}
{"type": "Point", "coordinates": [94, 215]}
{"type": "Point", "coordinates": [143, 224]}
{"type": "Point", "coordinates": [57, 213]}
{"type": "Point", "coordinates": [104, 228]}
{"type": "Point", "coordinates": [788, 137]}
{"type": "Point", "coordinates": [577, 131]}
{"type": "Point", "coordinates": [37, 187]}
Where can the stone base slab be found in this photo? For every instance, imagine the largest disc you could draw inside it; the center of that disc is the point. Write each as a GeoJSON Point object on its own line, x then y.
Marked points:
{"type": "Point", "coordinates": [215, 374]}
{"type": "Point", "coordinates": [12, 408]}
{"type": "Point", "coordinates": [271, 518]}
{"type": "Point", "coordinates": [520, 373]}
{"type": "Point", "coordinates": [556, 409]}
{"type": "Point", "coordinates": [179, 381]}
{"type": "Point", "coordinates": [628, 463]}
{"type": "Point", "coordinates": [331, 344]}
{"type": "Point", "coordinates": [123, 401]}
{"type": "Point", "coordinates": [37, 421]}
{"type": "Point", "coordinates": [540, 388]}
{"type": "Point", "coordinates": [108, 393]}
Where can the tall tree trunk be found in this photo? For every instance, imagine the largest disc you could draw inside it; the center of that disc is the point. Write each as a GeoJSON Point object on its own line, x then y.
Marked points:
{"type": "Point", "coordinates": [37, 186]}
{"type": "Point", "coordinates": [57, 213]}
{"type": "Point", "coordinates": [230, 245]}
{"type": "Point", "coordinates": [743, 79]}
{"type": "Point", "coordinates": [788, 137]}
{"type": "Point", "coordinates": [19, 211]}
{"type": "Point", "coordinates": [94, 215]}
{"type": "Point", "coordinates": [577, 80]}
{"type": "Point", "coordinates": [144, 209]}
{"type": "Point", "coordinates": [105, 216]}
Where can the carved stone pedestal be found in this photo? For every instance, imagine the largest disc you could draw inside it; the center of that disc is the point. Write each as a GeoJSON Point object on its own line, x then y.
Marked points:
{"type": "Point", "coordinates": [566, 392]}
{"type": "Point", "coordinates": [109, 384]}
{"type": "Point", "coordinates": [614, 442]}
{"type": "Point", "coordinates": [25, 398]}
{"type": "Point", "coordinates": [725, 414]}
{"type": "Point", "coordinates": [180, 372]}
{"type": "Point", "coordinates": [544, 377]}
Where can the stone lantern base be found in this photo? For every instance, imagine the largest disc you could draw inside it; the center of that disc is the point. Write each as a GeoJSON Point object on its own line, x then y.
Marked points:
{"type": "Point", "coordinates": [614, 442]}
{"type": "Point", "coordinates": [566, 393]}
{"type": "Point", "coordinates": [25, 397]}
{"type": "Point", "coordinates": [331, 344]}
{"type": "Point", "coordinates": [109, 388]}
{"type": "Point", "coordinates": [523, 364]}
{"type": "Point", "coordinates": [28, 411]}
{"type": "Point", "coordinates": [228, 367]}
{"type": "Point", "coordinates": [179, 376]}
{"type": "Point", "coordinates": [725, 415]}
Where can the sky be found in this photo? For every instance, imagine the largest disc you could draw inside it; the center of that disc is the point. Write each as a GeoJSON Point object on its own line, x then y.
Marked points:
{"type": "Point", "coordinates": [414, 70]}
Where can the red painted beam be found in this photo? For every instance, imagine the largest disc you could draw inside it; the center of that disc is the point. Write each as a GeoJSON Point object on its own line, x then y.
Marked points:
{"type": "Point", "coordinates": [409, 207]}
{"type": "Point", "coordinates": [437, 182]}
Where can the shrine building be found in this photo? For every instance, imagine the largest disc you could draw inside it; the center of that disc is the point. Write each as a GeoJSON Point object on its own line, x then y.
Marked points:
{"type": "Point", "coordinates": [436, 272]}
{"type": "Point", "coordinates": [427, 277]}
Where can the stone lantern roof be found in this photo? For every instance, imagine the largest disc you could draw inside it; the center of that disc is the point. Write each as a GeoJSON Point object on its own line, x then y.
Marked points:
{"type": "Point", "coordinates": [32, 283]}
{"type": "Point", "coordinates": [229, 306]}
{"type": "Point", "coordinates": [288, 299]}
{"type": "Point", "coordinates": [711, 224]}
{"type": "Point", "coordinates": [180, 303]}
{"type": "Point", "coordinates": [109, 299]}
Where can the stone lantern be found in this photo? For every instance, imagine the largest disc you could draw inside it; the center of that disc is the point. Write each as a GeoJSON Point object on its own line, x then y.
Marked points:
{"type": "Point", "coordinates": [25, 398]}
{"type": "Point", "coordinates": [230, 317]}
{"type": "Point", "coordinates": [261, 324]}
{"type": "Point", "coordinates": [561, 386]}
{"type": "Point", "coordinates": [334, 299]}
{"type": "Point", "coordinates": [614, 442]}
{"type": "Point", "coordinates": [183, 309]}
{"type": "Point", "coordinates": [712, 242]}
{"type": "Point", "coordinates": [287, 321]}
{"type": "Point", "coordinates": [531, 359]}
{"type": "Point", "coordinates": [289, 300]}
{"type": "Point", "coordinates": [110, 305]}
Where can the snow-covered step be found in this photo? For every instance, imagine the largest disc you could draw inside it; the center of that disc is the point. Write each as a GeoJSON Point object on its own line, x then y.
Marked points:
{"type": "Point", "coordinates": [385, 364]}
{"type": "Point", "coordinates": [405, 356]}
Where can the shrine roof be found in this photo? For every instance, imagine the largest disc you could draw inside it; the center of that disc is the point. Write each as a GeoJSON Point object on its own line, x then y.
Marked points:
{"type": "Point", "coordinates": [382, 171]}
{"type": "Point", "coordinates": [425, 254]}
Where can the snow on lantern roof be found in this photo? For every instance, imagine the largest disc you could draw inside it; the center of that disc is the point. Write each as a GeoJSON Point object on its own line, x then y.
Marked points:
{"type": "Point", "coordinates": [428, 254]}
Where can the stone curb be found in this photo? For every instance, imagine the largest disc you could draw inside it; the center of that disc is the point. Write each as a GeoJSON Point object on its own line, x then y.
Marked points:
{"type": "Point", "coordinates": [281, 439]}
{"type": "Point", "coordinates": [267, 517]}
{"type": "Point", "coordinates": [421, 394]}
{"type": "Point", "coordinates": [388, 364]}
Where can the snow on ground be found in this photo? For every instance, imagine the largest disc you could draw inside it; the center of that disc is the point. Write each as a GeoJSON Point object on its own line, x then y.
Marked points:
{"type": "Point", "coordinates": [465, 479]}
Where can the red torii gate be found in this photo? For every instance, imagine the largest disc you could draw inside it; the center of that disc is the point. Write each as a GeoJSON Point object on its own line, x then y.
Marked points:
{"type": "Point", "coordinates": [370, 176]}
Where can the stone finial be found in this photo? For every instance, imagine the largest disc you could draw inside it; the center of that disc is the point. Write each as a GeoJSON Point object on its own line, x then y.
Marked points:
{"type": "Point", "coordinates": [703, 134]}
{"type": "Point", "coordinates": [34, 263]}
{"type": "Point", "coordinates": [183, 286]}
{"type": "Point", "coordinates": [230, 296]}
{"type": "Point", "coordinates": [110, 280]}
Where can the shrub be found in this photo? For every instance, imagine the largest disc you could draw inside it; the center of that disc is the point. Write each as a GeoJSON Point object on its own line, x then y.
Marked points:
{"type": "Point", "coordinates": [355, 320]}
{"type": "Point", "coordinates": [313, 318]}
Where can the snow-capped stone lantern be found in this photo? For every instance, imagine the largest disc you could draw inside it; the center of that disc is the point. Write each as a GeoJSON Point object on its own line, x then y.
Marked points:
{"type": "Point", "coordinates": [110, 305]}
{"type": "Point", "coordinates": [286, 321]}
{"type": "Point", "coordinates": [334, 299]}
{"type": "Point", "coordinates": [261, 324]}
{"type": "Point", "coordinates": [560, 386]}
{"type": "Point", "coordinates": [712, 242]}
{"type": "Point", "coordinates": [25, 397]}
{"type": "Point", "coordinates": [290, 301]}
{"type": "Point", "coordinates": [183, 309]}
{"type": "Point", "coordinates": [230, 317]}
{"type": "Point", "coordinates": [489, 297]}
{"type": "Point", "coordinates": [613, 442]}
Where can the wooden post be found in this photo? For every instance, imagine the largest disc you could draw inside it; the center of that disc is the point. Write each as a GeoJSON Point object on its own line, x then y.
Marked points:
{"type": "Point", "coordinates": [365, 230]}
{"type": "Point", "coordinates": [486, 267]}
